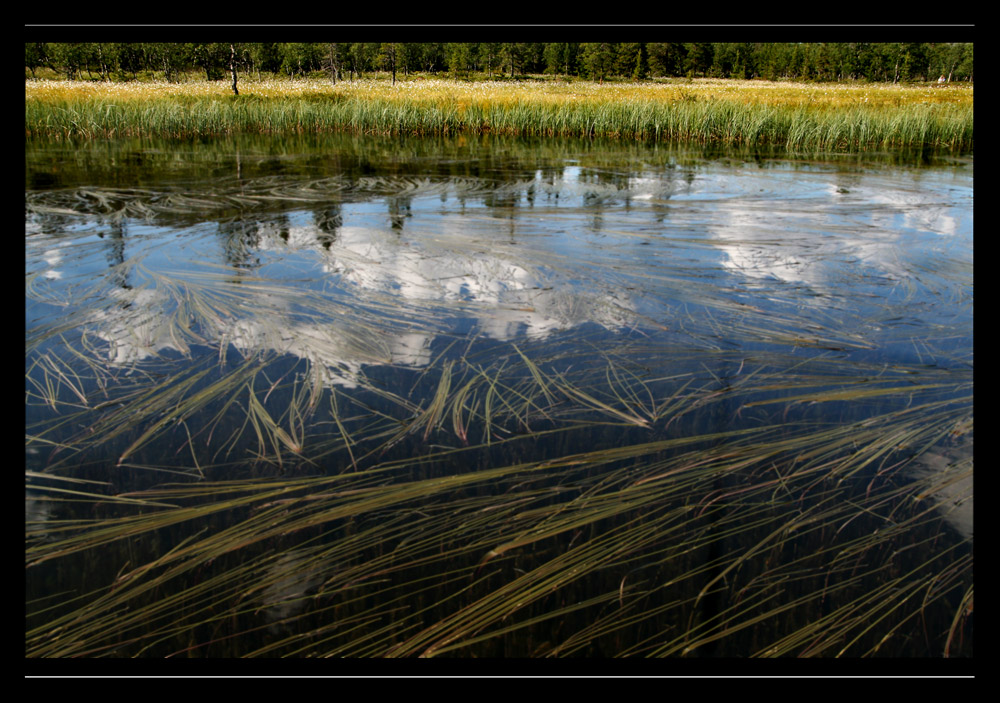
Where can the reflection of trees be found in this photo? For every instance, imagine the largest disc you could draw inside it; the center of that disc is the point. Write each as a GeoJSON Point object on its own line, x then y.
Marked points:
{"type": "Point", "coordinates": [282, 224]}
{"type": "Point", "coordinates": [116, 253]}
{"type": "Point", "coordinates": [399, 210]}
{"type": "Point", "coordinates": [503, 205]}
{"type": "Point", "coordinates": [328, 221]}
{"type": "Point", "coordinates": [594, 203]}
{"type": "Point", "coordinates": [47, 223]}
{"type": "Point", "coordinates": [240, 243]}
{"type": "Point", "coordinates": [548, 177]}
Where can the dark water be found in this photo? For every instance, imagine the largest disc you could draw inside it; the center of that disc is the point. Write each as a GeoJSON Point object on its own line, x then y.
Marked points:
{"type": "Point", "coordinates": [370, 397]}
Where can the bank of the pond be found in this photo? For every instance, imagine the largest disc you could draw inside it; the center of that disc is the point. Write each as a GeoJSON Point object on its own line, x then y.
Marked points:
{"type": "Point", "coordinates": [795, 116]}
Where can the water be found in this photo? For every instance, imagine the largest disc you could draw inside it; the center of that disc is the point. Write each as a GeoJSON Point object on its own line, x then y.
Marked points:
{"type": "Point", "coordinates": [472, 397]}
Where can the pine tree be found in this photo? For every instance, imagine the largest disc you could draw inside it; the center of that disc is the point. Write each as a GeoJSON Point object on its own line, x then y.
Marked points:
{"type": "Point", "coordinates": [641, 69]}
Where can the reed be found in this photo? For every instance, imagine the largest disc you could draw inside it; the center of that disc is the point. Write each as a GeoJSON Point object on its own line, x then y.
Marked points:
{"type": "Point", "coordinates": [410, 561]}
{"type": "Point", "coordinates": [796, 116]}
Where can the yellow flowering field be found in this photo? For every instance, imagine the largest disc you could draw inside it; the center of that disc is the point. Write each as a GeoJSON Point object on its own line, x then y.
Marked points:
{"type": "Point", "coordinates": [437, 89]}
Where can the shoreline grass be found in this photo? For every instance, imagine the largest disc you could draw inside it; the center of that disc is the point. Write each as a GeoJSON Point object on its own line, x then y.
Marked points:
{"type": "Point", "coordinates": [797, 116]}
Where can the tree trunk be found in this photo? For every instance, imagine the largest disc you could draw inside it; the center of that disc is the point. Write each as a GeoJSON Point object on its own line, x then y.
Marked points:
{"type": "Point", "coordinates": [105, 73]}
{"type": "Point", "coordinates": [333, 64]}
{"type": "Point", "coordinates": [232, 66]}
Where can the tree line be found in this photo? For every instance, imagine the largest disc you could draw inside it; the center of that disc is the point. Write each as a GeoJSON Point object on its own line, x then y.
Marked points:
{"type": "Point", "coordinates": [819, 61]}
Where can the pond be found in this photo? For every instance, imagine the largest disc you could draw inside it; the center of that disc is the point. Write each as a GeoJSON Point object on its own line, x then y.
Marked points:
{"type": "Point", "coordinates": [351, 396]}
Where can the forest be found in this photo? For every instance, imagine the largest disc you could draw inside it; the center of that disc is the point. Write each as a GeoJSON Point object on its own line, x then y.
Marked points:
{"type": "Point", "coordinates": [892, 62]}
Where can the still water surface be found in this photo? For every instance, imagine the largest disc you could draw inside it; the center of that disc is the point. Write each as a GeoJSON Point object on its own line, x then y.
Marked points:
{"type": "Point", "coordinates": [373, 397]}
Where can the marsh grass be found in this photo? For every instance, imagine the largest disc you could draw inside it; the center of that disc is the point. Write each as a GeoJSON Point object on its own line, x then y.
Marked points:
{"type": "Point", "coordinates": [795, 116]}
{"type": "Point", "coordinates": [425, 542]}
{"type": "Point", "coordinates": [431, 604]}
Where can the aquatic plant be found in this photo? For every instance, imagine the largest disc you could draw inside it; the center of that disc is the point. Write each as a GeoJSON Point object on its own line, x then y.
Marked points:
{"type": "Point", "coordinates": [462, 437]}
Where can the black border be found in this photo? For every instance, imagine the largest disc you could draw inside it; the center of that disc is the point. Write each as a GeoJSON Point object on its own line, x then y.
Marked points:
{"type": "Point", "coordinates": [517, 668]}
{"type": "Point", "coordinates": [452, 32]}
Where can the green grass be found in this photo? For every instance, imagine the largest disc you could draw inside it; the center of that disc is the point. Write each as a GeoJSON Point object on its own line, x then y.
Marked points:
{"type": "Point", "coordinates": [756, 113]}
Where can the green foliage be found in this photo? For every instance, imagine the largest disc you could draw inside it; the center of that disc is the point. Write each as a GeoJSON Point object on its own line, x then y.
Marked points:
{"type": "Point", "coordinates": [837, 61]}
{"type": "Point", "coordinates": [489, 57]}
{"type": "Point", "coordinates": [459, 58]}
{"type": "Point", "coordinates": [598, 60]}
{"type": "Point", "coordinates": [700, 57]}
{"type": "Point", "coordinates": [35, 56]}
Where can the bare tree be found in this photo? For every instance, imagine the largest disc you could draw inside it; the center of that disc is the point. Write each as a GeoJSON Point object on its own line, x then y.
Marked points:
{"type": "Point", "coordinates": [387, 52]}
{"type": "Point", "coordinates": [232, 66]}
{"type": "Point", "coordinates": [332, 63]}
